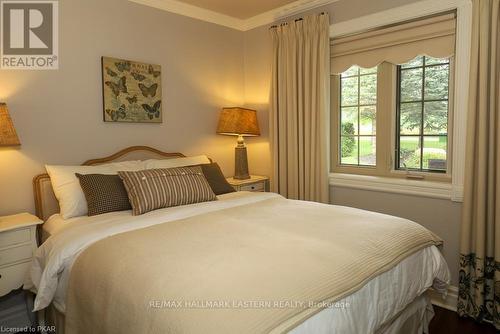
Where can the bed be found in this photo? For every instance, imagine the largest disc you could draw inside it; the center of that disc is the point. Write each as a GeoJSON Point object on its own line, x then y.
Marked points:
{"type": "Point", "coordinates": [239, 250]}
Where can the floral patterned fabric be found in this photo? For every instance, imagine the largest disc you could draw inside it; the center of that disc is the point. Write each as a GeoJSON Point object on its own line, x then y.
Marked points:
{"type": "Point", "coordinates": [479, 288]}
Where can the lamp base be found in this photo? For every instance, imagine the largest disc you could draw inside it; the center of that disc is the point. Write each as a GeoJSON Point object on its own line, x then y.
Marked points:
{"type": "Point", "coordinates": [241, 164]}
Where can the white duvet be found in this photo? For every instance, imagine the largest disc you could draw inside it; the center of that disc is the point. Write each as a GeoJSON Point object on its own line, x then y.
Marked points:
{"type": "Point", "coordinates": [364, 311]}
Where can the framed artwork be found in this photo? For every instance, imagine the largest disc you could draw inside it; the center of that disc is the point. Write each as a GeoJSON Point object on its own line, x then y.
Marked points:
{"type": "Point", "coordinates": [131, 91]}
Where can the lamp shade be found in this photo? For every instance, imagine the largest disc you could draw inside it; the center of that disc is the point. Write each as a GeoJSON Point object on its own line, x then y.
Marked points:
{"type": "Point", "coordinates": [238, 121]}
{"type": "Point", "coordinates": [8, 135]}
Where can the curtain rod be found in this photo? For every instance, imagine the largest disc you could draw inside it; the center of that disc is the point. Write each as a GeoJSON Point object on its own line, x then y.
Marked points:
{"type": "Point", "coordinates": [296, 20]}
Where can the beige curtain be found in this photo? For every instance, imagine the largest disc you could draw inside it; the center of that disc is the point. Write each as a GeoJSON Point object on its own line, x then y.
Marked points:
{"type": "Point", "coordinates": [434, 36]}
{"type": "Point", "coordinates": [479, 288]}
{"type": "Point", "coordinates": [299, 108]}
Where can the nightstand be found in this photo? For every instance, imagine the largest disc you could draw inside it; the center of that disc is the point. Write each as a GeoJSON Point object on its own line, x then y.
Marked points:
{"type": "Point", "coordinates": [254, 183]}
{"type": "Point", "coordinates": [17, 244]}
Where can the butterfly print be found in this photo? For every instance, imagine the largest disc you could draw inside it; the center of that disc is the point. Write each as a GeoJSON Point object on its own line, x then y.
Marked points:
{"type": "Point", "coordinates": [148, 91]}
{"type": "Point", "coordinates": [123, 66]}
{"type": "Point", "coordinates": [153, 72]}
{"type": "Point", "coordinates": [132, 100]}
{"type": "Point", "coordinates": [111, 72]}
{"type": "Point", "coordinates": [117, 114]}
{"type": "Point", "coordinates": [119, 87]}
{"type": "Point", "coordinates": [152, 111]}
{"type": "Point", "coordinates": [138, 76]}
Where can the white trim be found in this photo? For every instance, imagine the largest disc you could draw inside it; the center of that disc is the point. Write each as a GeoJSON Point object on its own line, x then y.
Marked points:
{"type": "Point", "coordinates": [461, 100]}
{"type": "Point", "coordinates": [441, 190]}
{"type": "Point", "coordinates": [462, 63]}
{"type": "Point", "coordinates": [282, 12]}
{"type": "Point", "coordinates": [449, 301]}
{"type": "Point", "coordinates": [195, 12]}
{"type": "Point", "coordinates": [181, 8]}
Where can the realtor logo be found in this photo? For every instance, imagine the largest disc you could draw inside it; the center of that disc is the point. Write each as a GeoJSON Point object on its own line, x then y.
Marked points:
{"type": "Point", "coordinates": [29, 35]}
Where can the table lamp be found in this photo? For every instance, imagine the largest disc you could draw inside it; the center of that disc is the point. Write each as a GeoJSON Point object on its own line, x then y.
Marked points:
{"type": "Point", "coordinates": [239, 122]}
{"type": "Point", "coordinates": [8, 135]}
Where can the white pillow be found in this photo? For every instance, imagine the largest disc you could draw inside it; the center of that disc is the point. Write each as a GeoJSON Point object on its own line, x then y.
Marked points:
{"type": "Point", "coordinates": [67, 187]}
{"type": "Point", "coordinates": [176, 162]}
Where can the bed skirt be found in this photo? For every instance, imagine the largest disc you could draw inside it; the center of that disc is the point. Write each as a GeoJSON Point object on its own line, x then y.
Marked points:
{"type": "Point", "coordinates": [414, 319]}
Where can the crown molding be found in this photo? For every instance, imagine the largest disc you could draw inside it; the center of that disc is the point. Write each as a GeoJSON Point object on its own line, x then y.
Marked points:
{"type": "Point", "coordinates": [181, 8]}
{"type": "Point", "coordinates": [194, 12]}
{"type": "Point", "coordinates": [282, 12]}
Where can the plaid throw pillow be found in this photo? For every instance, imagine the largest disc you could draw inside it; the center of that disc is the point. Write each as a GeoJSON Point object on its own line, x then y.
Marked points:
{"type": "Point", "coordinates": [162, 188]}
{"type": "Point", "coordinates": [104, 193]}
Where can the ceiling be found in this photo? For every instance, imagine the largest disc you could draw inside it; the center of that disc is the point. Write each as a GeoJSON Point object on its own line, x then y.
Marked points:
{"type": "Point", "coordinates": [239, 9]}
{"type": "Point", "coordinates": [236, 14]}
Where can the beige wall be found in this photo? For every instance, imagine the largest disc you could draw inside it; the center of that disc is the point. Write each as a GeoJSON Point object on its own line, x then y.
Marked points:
{"type": "Point", "coordinates": [58, 114]}
{"type": "Point", "coordinates": [440, 216]}
{"type": "Point", "coordinates": [257, 56]}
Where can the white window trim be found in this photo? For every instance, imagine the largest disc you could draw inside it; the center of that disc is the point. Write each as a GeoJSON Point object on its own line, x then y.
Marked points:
{"type": "Point", "coordinates": [461, 92]}
{"type": "Point", "coordinates": [441, 190]}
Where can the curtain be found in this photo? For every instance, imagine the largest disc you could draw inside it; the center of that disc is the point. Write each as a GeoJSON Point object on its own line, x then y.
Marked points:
{"type": "Point", "coordinates": [396, 44]}
{"type": "Point", "coordinates": [479, 276]}
{"type": "Point", "coordinates": [299, 108]}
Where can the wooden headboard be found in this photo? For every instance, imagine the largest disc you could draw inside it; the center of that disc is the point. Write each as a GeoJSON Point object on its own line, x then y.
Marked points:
{"type": "Point", "coordinates": [45, 201]}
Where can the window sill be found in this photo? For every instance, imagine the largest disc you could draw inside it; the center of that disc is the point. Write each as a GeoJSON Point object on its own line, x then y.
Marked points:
{"type": "Point", "coordinates": [432, 189]}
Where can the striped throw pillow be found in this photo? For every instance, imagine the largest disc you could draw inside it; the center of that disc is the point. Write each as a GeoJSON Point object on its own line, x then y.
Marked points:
{"type": "Point", "coordinates": [153, 189]}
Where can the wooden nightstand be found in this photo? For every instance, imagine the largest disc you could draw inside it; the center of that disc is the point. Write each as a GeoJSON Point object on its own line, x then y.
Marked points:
{"type": "Point", "coordinates": [17, 243]}
{"type": "Point", "coordinates": [254, 183]}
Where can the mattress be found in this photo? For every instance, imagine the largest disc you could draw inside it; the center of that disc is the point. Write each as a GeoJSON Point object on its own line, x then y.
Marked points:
{"type": "Point", "coordinates": [364, 311]}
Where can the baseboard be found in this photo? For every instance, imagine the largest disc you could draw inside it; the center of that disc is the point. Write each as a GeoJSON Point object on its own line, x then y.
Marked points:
{"type": "Point", "coordinates": [449, 302]}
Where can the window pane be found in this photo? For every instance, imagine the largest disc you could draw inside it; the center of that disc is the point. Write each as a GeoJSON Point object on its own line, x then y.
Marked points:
{"type": "Point", "coordinates": [418, 61]}
{"type": "Point", "coordinates": [409, 152]}
{"type": "Point", "coordinates": [367, 151]}
{"type": "Point", "coordinates": [368, 89]}
{"type": "Point", "coordinates": [349, 120]}
{"type": "Point", "coordinates": [367, 119]}
{"type": "Point", "coordinates": [349, 91]}
{"type": "Point", "coordinates": [434, 157]}
{"type": "Point", "coordinates": [423, 132]}
{"type": "Point", "coordinates": [368, 70]}
{"type": "Point", "coordinates": [433, 61]}
{"type": "Point", "coordinates": [411, 84]}
{"type": "Point", "coordinates": [349, 150]}
{"type": "Point", "coordinates": [436, 82]}
{"type": "Point", "coordinates": [436, 118]}
{"type": "Point", "coordinates": [353, 70]}
{"type": "Point", "coordinates": [358, 97]}
{"type": "Point", "coordinates": [410, 118]}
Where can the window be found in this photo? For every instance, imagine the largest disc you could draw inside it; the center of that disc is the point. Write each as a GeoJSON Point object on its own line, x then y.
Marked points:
{"type": "Point", "coordinates": [422, 115]}
{"type": "Point", "coordinates": [391, 105]}
{"type": "Point", "coordinates": [358, 109]}
{"type": "Point", "coordinates": [391, 120]}
{"type": "Point", "coordinates": [398, 35]}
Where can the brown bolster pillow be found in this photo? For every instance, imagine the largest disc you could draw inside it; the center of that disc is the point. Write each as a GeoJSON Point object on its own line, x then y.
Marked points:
{"type": "Point", "coordinates": [162, 188]}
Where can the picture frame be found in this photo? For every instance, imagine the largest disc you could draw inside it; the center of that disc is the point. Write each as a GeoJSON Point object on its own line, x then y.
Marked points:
{"type": "Point", "coordinates": [132, 91]}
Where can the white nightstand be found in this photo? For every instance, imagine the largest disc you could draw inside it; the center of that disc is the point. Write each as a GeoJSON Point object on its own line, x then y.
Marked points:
{"type": "Point", "coordinates": [254, 183]}
{"type": "Point", "coordinates": [17, 243]}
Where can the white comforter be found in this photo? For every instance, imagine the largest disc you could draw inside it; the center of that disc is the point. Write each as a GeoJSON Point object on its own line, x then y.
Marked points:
{"type": "Point", "coordinates": [382, 298]}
